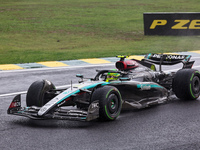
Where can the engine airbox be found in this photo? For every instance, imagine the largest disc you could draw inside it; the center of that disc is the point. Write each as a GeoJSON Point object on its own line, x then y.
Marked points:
{"type": "Point", "coordinates": [126, 65]}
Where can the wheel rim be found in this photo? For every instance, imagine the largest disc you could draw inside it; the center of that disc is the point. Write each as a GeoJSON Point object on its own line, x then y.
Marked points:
{"type": "Point", "coordinates": [196, 85]}
{"type": "Point", "coordinates": [112, 104]}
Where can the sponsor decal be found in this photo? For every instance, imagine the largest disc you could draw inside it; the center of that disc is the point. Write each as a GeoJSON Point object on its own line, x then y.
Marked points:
{"type": "Point", "coordinates": [172, 23]}
{"type": "Point", "coordinates": [175, 57]}
{"type": "Point", "coordinates": [169, 56]}
{"type": "Point", "coordinates": [94, 105]}
{"type": "Point", "coordinates": [15, 104]}
{"type": "Point", "coordinates": [179, 24]}
{"type": "Point", "coordinates": [147, 86]}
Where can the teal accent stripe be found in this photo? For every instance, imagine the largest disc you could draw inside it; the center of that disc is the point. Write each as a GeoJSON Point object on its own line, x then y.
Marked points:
{"type": "Point", "coordinates": [93, 85]}
{"type": "Point", "coordinates": [68, 96]}
{"type": "Point", "coordinates": [149, 56]}
{"type": "Point", "coordinates": [86, 87]}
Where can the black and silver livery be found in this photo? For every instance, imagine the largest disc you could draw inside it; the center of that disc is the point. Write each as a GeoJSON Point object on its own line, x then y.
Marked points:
{"type": "Point", "coordinates": [134, 83]}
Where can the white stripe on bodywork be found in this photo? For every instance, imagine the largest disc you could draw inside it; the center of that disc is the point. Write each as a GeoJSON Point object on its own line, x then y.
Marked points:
{"type": "Point", "coordinates": [66, 94]}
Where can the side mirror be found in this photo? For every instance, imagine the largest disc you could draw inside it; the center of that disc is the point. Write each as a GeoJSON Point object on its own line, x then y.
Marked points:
{"type": "Point", "coordinates": [80, 76]}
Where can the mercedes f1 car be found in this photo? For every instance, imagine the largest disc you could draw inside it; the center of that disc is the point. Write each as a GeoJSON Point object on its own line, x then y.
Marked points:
{"type": "Point", "coordinates": [134, 83]}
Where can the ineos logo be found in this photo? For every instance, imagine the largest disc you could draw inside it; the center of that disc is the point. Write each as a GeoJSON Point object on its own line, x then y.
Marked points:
{"type": "Point", "coordinates": [145, 87]}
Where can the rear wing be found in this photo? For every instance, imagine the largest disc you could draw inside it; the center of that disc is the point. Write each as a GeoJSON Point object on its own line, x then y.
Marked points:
{"type": "Point", "coordinates": [168, 59]}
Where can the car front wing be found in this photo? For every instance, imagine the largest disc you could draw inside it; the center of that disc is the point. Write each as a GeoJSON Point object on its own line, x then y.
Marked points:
{"type": "Point", "coordinates": [60, 113]}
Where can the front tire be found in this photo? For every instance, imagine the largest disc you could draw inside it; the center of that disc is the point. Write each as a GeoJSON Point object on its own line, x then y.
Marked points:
{"type": "Point", "coordinates": [110, 102]}
{"type": "Point", "coordinates": [36, 93]}
{"type": "Point", "coordinates": [186, 84]}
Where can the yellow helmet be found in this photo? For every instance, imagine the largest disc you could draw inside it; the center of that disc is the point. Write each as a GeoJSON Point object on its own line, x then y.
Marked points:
{"type": "Point", "coordinates": [112, 76]}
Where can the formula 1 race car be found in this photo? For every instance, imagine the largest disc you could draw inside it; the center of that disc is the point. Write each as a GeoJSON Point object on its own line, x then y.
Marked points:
{"type": "Point", "coordinates": [135, 83]}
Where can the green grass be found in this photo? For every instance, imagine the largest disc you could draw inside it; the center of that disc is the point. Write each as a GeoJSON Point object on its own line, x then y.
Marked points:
{"type": "Point", "coordinates": [47, 30]}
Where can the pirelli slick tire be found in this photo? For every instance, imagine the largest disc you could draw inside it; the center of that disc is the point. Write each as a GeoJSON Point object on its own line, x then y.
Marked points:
{"type": "Point", "coordinates": [186, 84]}
{"type": "Point", "coordinates": [36, 95]}
{"type": "Point", "coordinates": [110, 102]}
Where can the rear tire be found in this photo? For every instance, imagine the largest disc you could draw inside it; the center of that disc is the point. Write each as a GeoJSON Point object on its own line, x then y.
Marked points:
{"type": "Point", "coordinates": [186, 84]}
{"type": "Point", "coordinates": [110, 102]}
{"type": "Point", "coordinates": [36, 93]}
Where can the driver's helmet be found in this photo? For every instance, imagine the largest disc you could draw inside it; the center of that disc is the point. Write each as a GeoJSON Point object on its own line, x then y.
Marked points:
{"type": "Point", "coordinates": [111, 76]}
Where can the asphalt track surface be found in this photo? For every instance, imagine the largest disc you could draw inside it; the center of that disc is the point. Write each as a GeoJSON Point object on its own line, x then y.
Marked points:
{"type": "Point", "coordinates": [171, 126]}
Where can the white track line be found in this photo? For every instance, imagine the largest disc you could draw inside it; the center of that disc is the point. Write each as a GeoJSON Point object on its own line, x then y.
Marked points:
{"type": "Point", "coordinates": [10, 94]}
{"type": "Point", "coordinates": [63, 86]}
{"type": "Point", "coordinates": [24, 92]}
